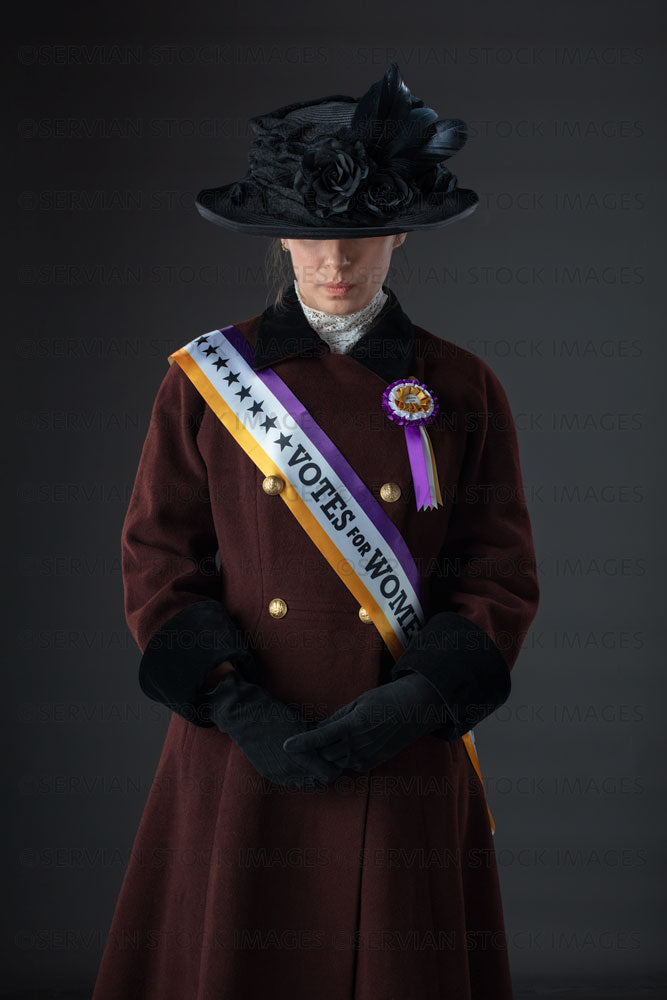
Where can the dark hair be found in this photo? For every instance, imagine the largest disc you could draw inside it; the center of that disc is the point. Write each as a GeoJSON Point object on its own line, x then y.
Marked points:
{"type": "Point", "coordinates": [279, 271]}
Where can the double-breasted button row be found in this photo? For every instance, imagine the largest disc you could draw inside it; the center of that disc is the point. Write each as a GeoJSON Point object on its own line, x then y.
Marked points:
{"type": "Point", "coordinates": [278, 609]}
{"type": "Point", "coordinates": [275, 484]}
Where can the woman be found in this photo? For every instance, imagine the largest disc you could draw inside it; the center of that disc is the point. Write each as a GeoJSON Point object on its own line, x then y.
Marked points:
{"type": "Point", "coordinates": [329, 570]}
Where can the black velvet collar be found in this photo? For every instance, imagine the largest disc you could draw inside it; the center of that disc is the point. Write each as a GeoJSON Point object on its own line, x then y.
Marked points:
{"type": "Point", "coordinates": [387, 347]}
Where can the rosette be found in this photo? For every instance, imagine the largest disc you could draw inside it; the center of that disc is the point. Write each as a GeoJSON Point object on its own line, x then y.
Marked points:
{"type": "Point", "coordinates": [413, 405]}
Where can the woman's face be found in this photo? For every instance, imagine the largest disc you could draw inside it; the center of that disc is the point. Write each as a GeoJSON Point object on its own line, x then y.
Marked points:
{"type": "Point", "coordinates": [341, 276]}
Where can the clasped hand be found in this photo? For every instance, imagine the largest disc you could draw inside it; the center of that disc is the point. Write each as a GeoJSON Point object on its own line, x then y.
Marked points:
{"type": "Point", "coordinates": [375, 726]}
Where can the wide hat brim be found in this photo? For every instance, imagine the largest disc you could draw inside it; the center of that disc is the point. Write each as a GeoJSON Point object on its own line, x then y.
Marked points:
{"type": "Point", "coordinates": [217, 205]}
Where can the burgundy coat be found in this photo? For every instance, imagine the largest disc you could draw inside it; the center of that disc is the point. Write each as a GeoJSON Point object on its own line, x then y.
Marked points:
{"type": "Point", "coordinates": [384, 885]}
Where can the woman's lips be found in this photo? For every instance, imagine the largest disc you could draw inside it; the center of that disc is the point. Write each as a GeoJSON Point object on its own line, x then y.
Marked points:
{"type": "Point", "coordinates": [341, 286]}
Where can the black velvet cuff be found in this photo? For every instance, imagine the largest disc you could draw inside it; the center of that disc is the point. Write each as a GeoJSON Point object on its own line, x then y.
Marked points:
{"type": "Point", "coordinates": [183, 651]}
{"type": "Point", "coordinates": [464, 664]}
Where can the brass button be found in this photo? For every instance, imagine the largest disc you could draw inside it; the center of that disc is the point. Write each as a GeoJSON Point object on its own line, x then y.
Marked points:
{"type": "Point", "coordinates": [277, 608]}
{"type": "Point", "coordinates": [273, 484]}
{"type": "Point", "coordinates": [390, 491]}
{"type": "Point", "coordinates": [365, 617]}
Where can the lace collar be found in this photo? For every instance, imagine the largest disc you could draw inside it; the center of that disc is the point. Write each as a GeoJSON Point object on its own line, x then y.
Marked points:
{"type": "Point", "coordinates": [342, 331]}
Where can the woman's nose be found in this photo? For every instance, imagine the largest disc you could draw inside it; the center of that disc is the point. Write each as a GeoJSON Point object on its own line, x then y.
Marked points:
{"type": "Point", "coordinates": [336, 260]}
{"type": "Point", "coordinates": [336, 253]}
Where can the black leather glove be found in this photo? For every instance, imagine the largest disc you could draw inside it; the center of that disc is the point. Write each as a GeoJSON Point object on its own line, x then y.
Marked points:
{"type": "Point", "coordinates": [259, 724]}
{"type": "Point", "coordinates": [376, 725]}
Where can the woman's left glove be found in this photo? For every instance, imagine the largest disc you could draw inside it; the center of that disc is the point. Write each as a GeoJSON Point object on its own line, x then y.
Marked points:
{"type": "Point", "coordinates": [376, 725]}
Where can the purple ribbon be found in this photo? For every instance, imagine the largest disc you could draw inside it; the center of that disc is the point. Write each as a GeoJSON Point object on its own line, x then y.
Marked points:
{"type": "Point", "coordinates": [418, 465]}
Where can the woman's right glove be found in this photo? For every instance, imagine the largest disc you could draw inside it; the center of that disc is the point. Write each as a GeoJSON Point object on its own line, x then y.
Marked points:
{"type": "Point", "coordinates": [259, 724]}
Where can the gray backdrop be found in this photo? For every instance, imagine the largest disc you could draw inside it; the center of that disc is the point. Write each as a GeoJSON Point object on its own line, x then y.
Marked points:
{"type": "Point", "coordinates": [117, 119]}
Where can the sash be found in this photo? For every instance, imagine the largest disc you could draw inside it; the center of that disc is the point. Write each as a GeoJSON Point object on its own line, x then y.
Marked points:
{"type": "Point", "coordinates": [323, 492]}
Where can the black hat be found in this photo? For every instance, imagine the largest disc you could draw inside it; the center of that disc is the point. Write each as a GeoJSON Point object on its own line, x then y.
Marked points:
{"type": "Point", "coordinates": [339, 167]}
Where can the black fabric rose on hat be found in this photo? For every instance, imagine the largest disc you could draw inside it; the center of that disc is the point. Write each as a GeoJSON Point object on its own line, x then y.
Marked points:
{"type": "Point", "coordinates": [386, 193]}
{"type": "Point", "coordinates": [330, 173]}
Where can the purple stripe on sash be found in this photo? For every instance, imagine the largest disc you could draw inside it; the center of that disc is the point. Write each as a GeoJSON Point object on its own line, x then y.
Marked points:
{"type": "Point", "coordinates": [336, 460]}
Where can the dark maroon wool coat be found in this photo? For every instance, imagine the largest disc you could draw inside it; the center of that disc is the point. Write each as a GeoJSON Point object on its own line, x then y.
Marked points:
{"type": "Point", "coordinates": [383, 886]}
